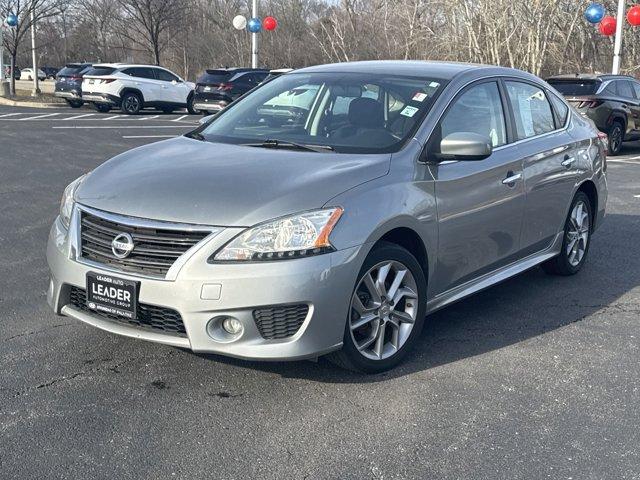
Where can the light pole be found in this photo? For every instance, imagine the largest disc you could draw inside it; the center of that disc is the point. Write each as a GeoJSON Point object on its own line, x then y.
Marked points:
{"type": "Point", "coordinates": [254, 36]}
{"type": "Point", "coordinates": [36, 82]}
{"type": "Point", "coordinates": [618, 41]}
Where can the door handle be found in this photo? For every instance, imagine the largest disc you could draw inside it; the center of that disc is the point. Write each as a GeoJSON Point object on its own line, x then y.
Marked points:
{"type": "Point", "coordinates": [568, 161]}
{"type": "Point", "coordinates": [512, 178]}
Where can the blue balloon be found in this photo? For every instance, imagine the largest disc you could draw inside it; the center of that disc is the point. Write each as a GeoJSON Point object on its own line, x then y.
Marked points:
{"type": "Point", "coordinates": [254, 25]}
{"type": "Point", "coordinates": [12, 20]}
{"type": "Point", "coordinates": [594, 13]}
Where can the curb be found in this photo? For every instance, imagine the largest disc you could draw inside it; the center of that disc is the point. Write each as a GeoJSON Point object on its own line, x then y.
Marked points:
{"type": "Point", "coordinates": [18, 103]}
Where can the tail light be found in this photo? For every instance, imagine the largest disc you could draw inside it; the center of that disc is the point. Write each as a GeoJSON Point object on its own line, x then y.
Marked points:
{"type": "Point", "coordinates": [590, 104]}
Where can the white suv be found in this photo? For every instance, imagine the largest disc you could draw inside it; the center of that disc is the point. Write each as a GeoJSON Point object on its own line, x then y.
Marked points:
{"type": "Point", "coordinates": [134, 87]}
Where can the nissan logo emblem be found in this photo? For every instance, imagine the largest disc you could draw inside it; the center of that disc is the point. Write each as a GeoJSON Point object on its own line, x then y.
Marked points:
{"type": "Point", "coordinates": [122, 245]}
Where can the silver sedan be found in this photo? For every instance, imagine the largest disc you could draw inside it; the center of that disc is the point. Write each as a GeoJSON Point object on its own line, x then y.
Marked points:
{"type": "Point", "coordinates": [331, 210]}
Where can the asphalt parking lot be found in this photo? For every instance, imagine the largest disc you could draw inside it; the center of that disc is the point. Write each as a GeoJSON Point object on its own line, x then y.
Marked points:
{"type": "Point", "coordinates": [538, 377]}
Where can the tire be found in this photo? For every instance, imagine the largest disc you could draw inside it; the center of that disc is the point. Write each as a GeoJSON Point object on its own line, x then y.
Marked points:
{"type": "Point", "coordinates": [167, 109]}
{"type": "Point", "coordinates": [102, 108]}
{"type": "Point", "coordinates": [131, 103]}
{"type": "Point", "coordinates": [369, 347]}
{"type": "Point", "coordinates": [615, 138]}
{"type": "Point", "coordinates": [75, 103]}
{"type": "Point", "coordinates": [573, 255]}
{"type": "Point", "coordinates": [205, 113]}
{"type": "Point", "coordinates": [190, 108]}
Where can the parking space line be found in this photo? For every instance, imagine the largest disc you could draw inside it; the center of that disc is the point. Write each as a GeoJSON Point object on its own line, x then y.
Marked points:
{"type": "Point", "coordinates": [10, 114]}
{"type": "Point", "coordinates": [623, 161]}
{"type": "Point", "coordinates": [179, 118]}
{"type": "Point", "coordinates": [149, 136]}
{"type": "Point", "coordinates": [150, 118]}
{"type": "Point", "coordinates": [120, 126]}
{"type": "Point", "coordinates": [112, 117]}
{"type": "Point", "coordinates": [79, 116]}
{"type": "Point", "coordinates": [39, 116]}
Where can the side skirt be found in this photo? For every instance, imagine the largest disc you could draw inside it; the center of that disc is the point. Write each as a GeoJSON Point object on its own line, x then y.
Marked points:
{"type": "Point", "coordinates": [497, 276]}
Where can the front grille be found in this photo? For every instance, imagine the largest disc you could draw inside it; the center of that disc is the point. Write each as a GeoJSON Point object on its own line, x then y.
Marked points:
{"type": "Point", "coordinates": [154, 252]}
{"type": "Point", "coordinates": [280, 321]}
{"type": "Point", "coordinates": [149, 317]}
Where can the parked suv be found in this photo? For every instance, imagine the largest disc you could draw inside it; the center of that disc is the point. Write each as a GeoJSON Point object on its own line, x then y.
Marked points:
{"type": "Point", "coordinates": [611, 101]}
{"type": "Point", "coordinates": [216, 89]}
{"type": "Point", "coordinates": [393, 189]}
{"type": "Point", "coordinates": [134, 87]}
{"type": "Point", "coordinates": [69, 83]}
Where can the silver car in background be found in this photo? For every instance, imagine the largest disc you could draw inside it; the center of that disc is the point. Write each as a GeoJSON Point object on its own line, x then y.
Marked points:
{"type": "Point", "coordinates": [329, 211]}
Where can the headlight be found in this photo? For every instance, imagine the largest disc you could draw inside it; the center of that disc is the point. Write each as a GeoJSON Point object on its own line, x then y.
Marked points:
{"type": "Point", "coordinates": [289, 237]}
{"type": "Point", "coordinates": [66, 204]}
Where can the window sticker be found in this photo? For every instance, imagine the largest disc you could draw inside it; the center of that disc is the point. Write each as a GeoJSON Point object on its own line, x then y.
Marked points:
{"type": "Point", "coordinates": [434, 84]}
{"type": "Point", "coordinates": [420, 97]}
{"type": "Point", "coordinates": [409, 111]}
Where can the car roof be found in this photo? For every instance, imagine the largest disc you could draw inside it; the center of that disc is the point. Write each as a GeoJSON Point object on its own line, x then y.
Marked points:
{"type": "Point", "coordinates": [125, 65]}
{"type": "Point", "coordinates": [443, 70]}
{"type": "Point", "coordinates": [236, 69]}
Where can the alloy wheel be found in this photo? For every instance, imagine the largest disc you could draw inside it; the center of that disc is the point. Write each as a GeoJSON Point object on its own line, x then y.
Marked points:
{"type": "Point", "coordinates": [131, 103]}
{"type": "Point", "coordinates": [577, 233]}
{"type": "Point", "coordinates": [383, 310]}
{"type": "Point", "coordinates": [615, 139]}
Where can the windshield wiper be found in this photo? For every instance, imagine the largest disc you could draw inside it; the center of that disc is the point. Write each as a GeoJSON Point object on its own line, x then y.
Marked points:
{"type": "Point", "coordinates": [272, 143]}
{"type": "Point", "coordinates": [195, 136]}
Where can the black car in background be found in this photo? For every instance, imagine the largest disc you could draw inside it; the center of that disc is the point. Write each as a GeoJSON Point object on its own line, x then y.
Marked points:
{"type": "Point", "coordinates": [69, 83]}
{"type": "Point", "coordinates": [50, 72]}
{"type": "Point", "coordinates": [611, 101]}
{"type": "Point", "coordinates": [215, 89]}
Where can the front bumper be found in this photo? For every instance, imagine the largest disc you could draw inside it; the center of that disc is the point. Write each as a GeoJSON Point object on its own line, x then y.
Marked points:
{"type": "Point", "coordinates": [323, 282]}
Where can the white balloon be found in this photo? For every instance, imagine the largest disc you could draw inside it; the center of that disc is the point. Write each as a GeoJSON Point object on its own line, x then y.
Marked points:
{"type": "Point", "coordinates": [239, 22]}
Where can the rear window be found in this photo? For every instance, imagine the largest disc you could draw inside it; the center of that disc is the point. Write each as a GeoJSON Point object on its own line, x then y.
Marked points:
{"type": "Point", "coordinates": [99, 71]}
{"type": "Point", "coordinates": [71, 70]}
{"type": "Point", "coordinates": [575, 87]}
{"type": "Point", "coordinates": [215, 76]}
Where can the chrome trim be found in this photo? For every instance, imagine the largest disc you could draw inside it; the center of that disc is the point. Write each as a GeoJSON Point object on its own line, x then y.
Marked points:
{"type": "Point", "coordinates": [568, 162]}
{"type": "Point", "coordinates": [512, 179]}
{"type": "Point", "coordinates": [75, 240]}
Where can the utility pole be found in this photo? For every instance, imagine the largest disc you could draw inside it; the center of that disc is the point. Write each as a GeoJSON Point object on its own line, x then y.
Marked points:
{"type": "Point", "coordinates": [618, 41]}
{"type": "Point", "coordinates": [36, 82]}
{"type": "Point", "coordinates": [2, 57]}
{"type": "Point", "coordinates": [254, 36]}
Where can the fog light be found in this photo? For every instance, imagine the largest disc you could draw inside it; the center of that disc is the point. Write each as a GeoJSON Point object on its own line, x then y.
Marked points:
{"type": "Point", "coordinates": [232, 325]}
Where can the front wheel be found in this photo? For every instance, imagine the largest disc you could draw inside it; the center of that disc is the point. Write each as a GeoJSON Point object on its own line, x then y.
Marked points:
{"type": "Point", "coordinates": [577, 237]}
{"type": "Point", "coordinates": [386, 313]}
{"type": "Point", "coordinates": [190, 108]}
{"type": "Point", "coordinates": [75, 103]}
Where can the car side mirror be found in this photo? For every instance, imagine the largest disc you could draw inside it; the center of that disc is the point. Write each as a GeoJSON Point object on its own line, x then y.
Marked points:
{"type": "Point", "coordinates": [204, 120]}
{"type": "Point", "coordinates": [465, 146]}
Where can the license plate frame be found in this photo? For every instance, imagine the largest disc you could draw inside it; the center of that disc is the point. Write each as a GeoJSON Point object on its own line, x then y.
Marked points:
{"type": "Point", "coordinates": [112, 295]}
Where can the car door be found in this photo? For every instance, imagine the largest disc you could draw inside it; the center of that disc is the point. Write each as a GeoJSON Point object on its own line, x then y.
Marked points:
{"type": "Point", "coordinates": [549, 158]}
{"type": "Point", "coordinates": [630, 105]}
{"type": "Point", "coordinates": [635, 106]}
{"type": "Point", "coordinates": [144, 80]}
{"type": "Point", "coordinates": [173, 89]}
{"type": "Point", "coordinates": [480, 204]}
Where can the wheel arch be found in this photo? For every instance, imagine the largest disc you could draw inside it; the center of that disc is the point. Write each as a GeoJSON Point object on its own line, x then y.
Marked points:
{"type": "Point", "coordinates": [137, 91]}
{"type": "Point", "coordinates": [410, 240]}
{"type": "Point", "coordinates": [590, 190]}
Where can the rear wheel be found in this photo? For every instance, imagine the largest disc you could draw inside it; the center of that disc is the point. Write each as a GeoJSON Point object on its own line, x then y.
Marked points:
{"type": "Point", "coordinates": [190, 108]}
{"type": "Point", "coordinates": [577, 237]}
{"type": "Point", "coordinates": [101, 107]}
{"type": "Point", "coordinates": [167, 109]}
{"type": "Point", "coordinates": [616, 137]}
{"type": "Point", "coordinates": [386, 313]}
{"type": "Point", "coordinates": [131, 103]}
{"type": "Point", "coordinates": [75, 103]}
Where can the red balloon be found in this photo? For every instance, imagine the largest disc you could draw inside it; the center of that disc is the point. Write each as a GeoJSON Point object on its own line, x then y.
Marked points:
{"type": "Point", "coordinates": [633, 15]}
{"type": "Point", "coordinates": [607, 26]}
{"type": "Point", "coordinates": [269, 23]}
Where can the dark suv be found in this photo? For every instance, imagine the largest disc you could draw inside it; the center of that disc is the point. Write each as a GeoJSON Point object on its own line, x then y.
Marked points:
{"type": "Point", "coordinates": [611, 101]}
{"type": "Point", "coordinates": [69, 83]}
{"type": "Point", "coordinates": [217, 88]}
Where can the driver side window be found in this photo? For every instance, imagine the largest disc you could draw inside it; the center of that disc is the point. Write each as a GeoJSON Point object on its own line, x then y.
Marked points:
{"type": "Point", "coordinates": [477, 110]}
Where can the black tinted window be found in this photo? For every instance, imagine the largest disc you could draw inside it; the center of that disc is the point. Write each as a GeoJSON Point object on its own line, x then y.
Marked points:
{"type": "Point", "coordinates": [560, 108]}
{"type": "Point", "coordinates": [611, 89]}
{"type": "Point", "coordinates": [531, 109]}
{"type": "Point", "coordinates": [624, 89]}
{"type": "Point", "coordinates": [70, 70]}
{"type": "Point", "coordinates": [636, 87]}
{"type": "Point", "coordinates": [140, 72]}
{"type": "Point", "coordinates": [165, 76]}
{"type": "Point", "coordinates": [213, 77]}
{"type": "Point", "coordinates": [575, 87]}
{"type": "Point", "coordinates": [100, 71]}
{"type": "Point", "coordinates": [477, 110]}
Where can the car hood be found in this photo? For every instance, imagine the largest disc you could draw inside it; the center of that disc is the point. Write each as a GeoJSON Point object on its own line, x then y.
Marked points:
{"type": "Point", "coordinates": [191, 181]}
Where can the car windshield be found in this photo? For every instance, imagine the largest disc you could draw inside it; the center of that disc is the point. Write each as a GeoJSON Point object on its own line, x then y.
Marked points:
{"type": "Point", "coordinates": [345, 112]}
{"type": "Point", "coordinates": [575, 87]}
